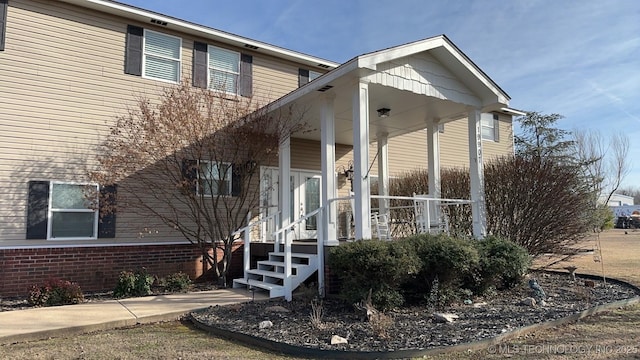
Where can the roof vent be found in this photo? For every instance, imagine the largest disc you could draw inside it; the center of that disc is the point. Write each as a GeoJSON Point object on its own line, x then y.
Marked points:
{"type": "Point", "coordinates": [325, 88]}
{"type": "Point", "coordinates": [324, 66]}
{"type": "Point", "coordinates": [158, 22]}
{"type": "Point", "coordinates": [252, 47]}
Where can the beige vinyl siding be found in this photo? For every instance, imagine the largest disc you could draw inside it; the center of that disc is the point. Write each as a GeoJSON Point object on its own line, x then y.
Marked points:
{"type": "Point", "coordinates": [62, 83]}
{"type": "Point", "coordinates": [409, 152]}
{"type": "Point", "coordinates": [454, 144]}
{"type": "Point", "coordinates": [272, 78]}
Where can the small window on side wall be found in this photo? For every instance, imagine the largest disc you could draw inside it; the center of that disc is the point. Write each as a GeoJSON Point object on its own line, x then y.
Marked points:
{"type": "Point", "coordinates": [490, 127]}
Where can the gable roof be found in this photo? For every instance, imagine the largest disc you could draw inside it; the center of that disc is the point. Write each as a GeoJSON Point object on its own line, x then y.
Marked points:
{"type": "Point", "coordinates": [443, 49]}
{"type": "Point", "coordinates": [438, 46]}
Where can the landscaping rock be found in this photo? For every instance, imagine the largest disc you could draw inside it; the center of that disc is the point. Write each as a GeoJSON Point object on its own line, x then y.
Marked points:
{"type": "Point", "coordinates": [444, 317]}
{"type": "Point", "coordinates": [335, 340]}
{"type": "Point", "coordinates": [528, 302]}
{"type": "Point", "coordinates": [413, 327]}
{"type": "Point", "coordinates": [590, 283]}
{"type": "Point", "coordinates": [265, 324]}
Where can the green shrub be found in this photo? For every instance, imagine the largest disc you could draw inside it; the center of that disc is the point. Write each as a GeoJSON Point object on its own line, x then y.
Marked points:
{"type": "Point", "coordinates": [177, 282]}
{"type": "Point", "coordinates": [381, 266]}
{"type": "Point", "coordinates": [453, 261]}
{"type": "Point", "coordinates": [55, 292]}
{"type": "Point", "coordinates": [133, 284]}
{"type": "Point", "coordinates": [503, 263]}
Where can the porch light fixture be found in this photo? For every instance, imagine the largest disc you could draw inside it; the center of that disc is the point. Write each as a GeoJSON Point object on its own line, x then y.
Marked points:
{"type": "Point", "coordinates": [383, 112]}
{"type": "Point", "coordinates": [348, 172]}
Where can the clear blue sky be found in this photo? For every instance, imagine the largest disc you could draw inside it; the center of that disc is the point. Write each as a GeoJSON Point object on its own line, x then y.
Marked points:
{"type": "Point", "coordinates": [578, 58]}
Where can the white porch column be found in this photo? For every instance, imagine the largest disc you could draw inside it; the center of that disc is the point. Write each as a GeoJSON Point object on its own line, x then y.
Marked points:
{"type": "Point", "coordinates": [433, 155]}
{"type": "Point", "coordinates": [478, 208]}
{"type": "Point", "coordinates": [383, 171]}
{"type": "Point", "coordinates": [362, 203]}
{"type": "Point", "coordinates": [284, 183]}
{"type": "Point", "coordinates": [328, 160]}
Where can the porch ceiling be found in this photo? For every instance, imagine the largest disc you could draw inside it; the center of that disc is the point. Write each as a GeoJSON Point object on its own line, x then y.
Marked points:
{"type": "Point", "coordinates": [409, 112]}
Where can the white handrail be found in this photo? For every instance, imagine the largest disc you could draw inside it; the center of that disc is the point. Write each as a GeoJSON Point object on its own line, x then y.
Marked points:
{"type": "Point", "coordinates": [302, 218]}
{"type": "Point", "coordinates": [246, 254]}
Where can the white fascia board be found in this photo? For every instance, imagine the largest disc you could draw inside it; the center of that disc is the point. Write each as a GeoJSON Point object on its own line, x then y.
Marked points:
{"type": "Point", "coordinates": [132, 12]}
{"type": "Point", "coordinates": [513, 111]}
{"type": "Point", "coordinates": [502, 97]}
{"type": "Point", "coordinates": [316, 84]}
{"type": "Point", "coordinates": [373, 59]}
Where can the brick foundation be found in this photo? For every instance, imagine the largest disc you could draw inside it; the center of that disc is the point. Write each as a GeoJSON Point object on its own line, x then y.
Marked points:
{"type": "Point", "coordinates": [97, 268]}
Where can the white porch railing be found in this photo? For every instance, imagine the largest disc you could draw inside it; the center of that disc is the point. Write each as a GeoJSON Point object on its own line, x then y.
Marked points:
{"type": "Point", "coordinates": [421, 208]}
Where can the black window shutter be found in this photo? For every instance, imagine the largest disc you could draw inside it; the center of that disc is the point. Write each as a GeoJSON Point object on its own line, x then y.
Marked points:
{"type": "Point", "coordinates": [496, 128]}
{"type": "Point", "coordinates": [303, 77]}
{"type": "Point", "coordinates": [200, 64]}
{"type": "Point", "coordinates": [107, 211]}
{"type": "Point", "coordinates": [37, 209]}
{"type": "Point", "coordinates": [190, 173]}
{"type": "Point", "coordinates": [4, 5]}
{"type": "Point", "coordinates": [236, 179]}
{"type": "Point", "coordinates": [133, 51]}
{"type": "Point", "coordinates": [246, 75]}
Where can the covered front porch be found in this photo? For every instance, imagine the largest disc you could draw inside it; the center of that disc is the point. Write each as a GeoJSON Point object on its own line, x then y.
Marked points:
{"type": "Point", "coordinates": [363, 104]}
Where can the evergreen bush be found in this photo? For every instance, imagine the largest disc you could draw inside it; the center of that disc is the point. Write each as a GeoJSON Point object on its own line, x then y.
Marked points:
{"type": "Point", "coordinates": [132, 284]}
{"type": "Point", "coordinates": [381, 266]}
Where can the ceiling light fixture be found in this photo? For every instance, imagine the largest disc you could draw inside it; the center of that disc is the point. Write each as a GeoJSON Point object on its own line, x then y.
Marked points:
{"type": "Point", "coordinates": [383, 112]}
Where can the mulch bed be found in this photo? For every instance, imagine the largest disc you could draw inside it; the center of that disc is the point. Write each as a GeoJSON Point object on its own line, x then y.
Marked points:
{"type": "Point", "coordinates": [415, 327]}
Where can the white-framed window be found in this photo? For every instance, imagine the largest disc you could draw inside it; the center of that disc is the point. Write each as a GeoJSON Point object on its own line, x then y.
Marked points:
{"type": "Point", "coordinates": [161, 56]}
{"type": "Point", "coordinates": [313, 75]}
{"type": "Point", "coordinates": [72, 211]}
{"type": "Point", "coordinates": [489, 126]}
{"type": "Point", "coordinates": [224, 69]}
{"type": "Point", "coordinates": [214, 178]}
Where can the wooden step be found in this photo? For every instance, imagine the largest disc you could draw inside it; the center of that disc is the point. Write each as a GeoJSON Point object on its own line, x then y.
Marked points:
{"type": "Point", "coordinates": [274, 290]}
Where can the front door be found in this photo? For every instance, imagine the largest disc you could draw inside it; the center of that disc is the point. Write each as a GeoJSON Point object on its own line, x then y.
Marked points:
{"type": "Point", "coordinates": [305, 198]}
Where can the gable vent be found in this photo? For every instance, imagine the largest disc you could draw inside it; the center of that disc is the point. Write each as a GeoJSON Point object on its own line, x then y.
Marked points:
{"type": "Point", "coordinates": [252, 47]}
{"type": "Point", "coordinates": [324, 66]}
{"type": "Point", "coordinates": [158, 22]}
{"type": "Point", "coordinates": [325, 88]}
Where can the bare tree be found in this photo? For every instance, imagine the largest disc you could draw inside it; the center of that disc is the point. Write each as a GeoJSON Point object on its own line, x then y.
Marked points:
{"type": "Point", "coordinates": [604, 163]}
{"type": "Point", "coordinates": [192, 160]}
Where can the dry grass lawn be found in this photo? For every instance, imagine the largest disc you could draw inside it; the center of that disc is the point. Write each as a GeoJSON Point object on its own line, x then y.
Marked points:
{"type": "Point", "coordinates": [620, 255]}
{"type": "Point", "coordinates": [611, 335]}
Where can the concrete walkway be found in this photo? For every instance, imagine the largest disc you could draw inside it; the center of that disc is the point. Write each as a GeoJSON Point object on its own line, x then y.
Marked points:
{"type": "Point", "coordinates": [45, 322]}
